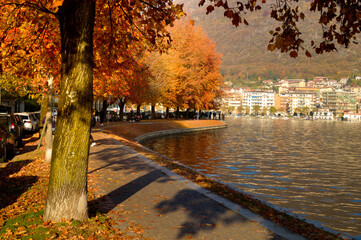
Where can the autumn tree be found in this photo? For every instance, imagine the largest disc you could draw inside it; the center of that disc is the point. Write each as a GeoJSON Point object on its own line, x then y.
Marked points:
{"type": "Point", "coordinates": [187, 75]}
{"type": "Point", "coordinates": [256, 108]}
{"type": "Point", "coordinates": [305, 110]}
{"type": "Point", "coordinates": [264, 110]}
{"type": "Point", "coordinates": [159, 81]}
{"type": "Point", "coordinates": [73, 22]}
{"type": "Point", "coordinates": [272, 110]}
{"type": "Point", "coordinates": [240, 109]}
{"type": "Point", "coordinates": [298, 111]}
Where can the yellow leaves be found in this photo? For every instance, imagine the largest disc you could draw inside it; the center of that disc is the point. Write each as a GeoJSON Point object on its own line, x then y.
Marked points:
{"type": "Point", "coordinates": [57, 3]}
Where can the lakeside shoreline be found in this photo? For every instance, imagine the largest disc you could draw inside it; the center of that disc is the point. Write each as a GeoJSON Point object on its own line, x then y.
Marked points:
{"type": "Point", "coordinates": [121, 132]}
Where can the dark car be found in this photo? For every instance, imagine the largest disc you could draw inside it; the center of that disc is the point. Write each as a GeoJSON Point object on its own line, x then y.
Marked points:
{"type": "Point", "coordinates": [7, 143]}
{"type": "Point", "coordinates": [14, 127]}
{"type": "Point", "coordinates": [20, 125]}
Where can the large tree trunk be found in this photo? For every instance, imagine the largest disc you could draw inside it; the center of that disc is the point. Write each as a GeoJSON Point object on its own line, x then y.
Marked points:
{"type": "Point", "coordinates": [67, 191]}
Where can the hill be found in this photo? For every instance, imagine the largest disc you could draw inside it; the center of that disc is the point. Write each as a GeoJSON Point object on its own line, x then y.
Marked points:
{"type": "Point", "coordinates": [245, 54]}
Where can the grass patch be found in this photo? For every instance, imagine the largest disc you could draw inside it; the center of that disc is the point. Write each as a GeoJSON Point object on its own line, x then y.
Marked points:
{"type": "Point", "coordinates": [31, 226]}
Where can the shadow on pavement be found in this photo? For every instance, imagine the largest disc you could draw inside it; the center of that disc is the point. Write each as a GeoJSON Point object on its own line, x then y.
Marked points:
{"type": "Point", "coordinates": [11, 188]}
{"type": "Point", "coordinates": [108, 202]}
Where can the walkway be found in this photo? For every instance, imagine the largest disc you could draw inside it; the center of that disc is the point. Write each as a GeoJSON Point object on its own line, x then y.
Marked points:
{"type": "Point", "coordinates": [166, 205]}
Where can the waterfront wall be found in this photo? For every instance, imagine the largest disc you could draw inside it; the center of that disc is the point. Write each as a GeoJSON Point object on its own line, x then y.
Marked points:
{"type": "Point", "coordinates": [150, 135]}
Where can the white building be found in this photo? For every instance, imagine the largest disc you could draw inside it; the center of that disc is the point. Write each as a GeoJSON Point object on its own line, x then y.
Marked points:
{"type": "Point", "coordinates": [350, 116]}
{"type": "Point", "coordinates": [302, 99]}
{"type": "Point", "coordinates": [323, 114]}
{"type": "Point", "coordinates": [262, 98]}
{"type": "Point", "coordinates": [232, 98]}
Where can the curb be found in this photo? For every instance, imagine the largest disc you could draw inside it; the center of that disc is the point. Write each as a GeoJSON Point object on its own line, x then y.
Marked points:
{"type": "Point", "coordinates": [150, 135]}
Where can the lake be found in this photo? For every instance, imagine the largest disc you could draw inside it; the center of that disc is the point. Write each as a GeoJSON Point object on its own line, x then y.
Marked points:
{"type": "Point", "coordinates": [311, 168]}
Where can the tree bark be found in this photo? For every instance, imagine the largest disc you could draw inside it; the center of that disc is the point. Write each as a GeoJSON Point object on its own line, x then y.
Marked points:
{"type": "Point", "coordinates": [43, 109]}
{"type": "Point", "coordinates": [121, 109]}
{"type": "Point", "coordinates": [138, 110]}
{"type": "Point", "coordinates": [49, 123]}
{"type": "Point", "coordinates": [153, 112]}
{"type": "Point", "coordinates": [177, 113]}
{"type": "Point", "coordinates": [67, 191]}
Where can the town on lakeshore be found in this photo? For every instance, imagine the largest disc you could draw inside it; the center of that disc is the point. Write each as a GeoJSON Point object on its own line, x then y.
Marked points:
{"type": "Point", "coordinates": [319, 98]}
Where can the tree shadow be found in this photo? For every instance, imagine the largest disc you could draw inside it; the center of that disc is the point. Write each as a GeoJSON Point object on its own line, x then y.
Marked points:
{"type": "Point", "coordinates": [108, 202]}
{"type": "Point", "coordinates": [203, 214]}
{"type": "Point", "coordinates": [11, 188]}
{"type": "Point", "coordinates": [115, 157]}
{"type": "Point", "coordinates": [12, 167]}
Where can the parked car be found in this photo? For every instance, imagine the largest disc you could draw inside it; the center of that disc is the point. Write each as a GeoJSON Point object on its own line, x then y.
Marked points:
{"type": "Point", "coordinates": [30, 122]}
{"type": "Point", "coordinates": [7, 143]}
{"type": "Point", "coordinates": [20, 125]}
{"type": "Point", "coordinates": [36, 116]}
{"type": "Point", "coordinates": [14, 127]}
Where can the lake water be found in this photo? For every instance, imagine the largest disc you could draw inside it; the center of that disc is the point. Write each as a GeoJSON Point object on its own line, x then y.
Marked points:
{"type": "Point", "coordinates": [311, 168]}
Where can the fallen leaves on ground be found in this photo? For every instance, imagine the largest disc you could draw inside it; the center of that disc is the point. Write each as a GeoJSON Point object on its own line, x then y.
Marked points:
{"type": "Point", "coordinates": [23, 186]}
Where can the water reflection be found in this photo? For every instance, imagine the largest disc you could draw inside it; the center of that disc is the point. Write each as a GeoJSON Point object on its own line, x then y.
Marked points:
{"type": "Point", "coordinates": [309, 167]}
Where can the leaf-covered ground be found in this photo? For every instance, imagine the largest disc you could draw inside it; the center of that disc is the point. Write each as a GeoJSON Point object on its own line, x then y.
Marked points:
{"type": "Point", "coordinates": [23, 186]}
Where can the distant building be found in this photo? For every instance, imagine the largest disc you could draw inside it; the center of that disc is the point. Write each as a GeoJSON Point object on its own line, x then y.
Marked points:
{"type": "Point", "coordinates": [310, 84]}
{"type": "Point", "coordinates": [343, 81]}
{"type": "Point", "coordinates": [14, 103]}
{"type": "Point", "coordinates": [282, 102]}
{"type": "Point", "coordinates": [302, 99]}
{"type": "Point", "coordinates": [351, 116]}
{"type": "Point", "coordinates": [332, 83]}
{"type": "Point", "coordinates": [339, 101]}
{"type": "Point", "coordinates": [323, 114]}
{"type": "Point", "coordinates": [232, 98]}
{"type": "Point", "coordinates": [320, 79]}
{"type": "Point", "coordinates": [262, 98]}
{"type": "Point", "coordinates": [268, 82]}
{"type": "Point", "coordinates": [286, 83]}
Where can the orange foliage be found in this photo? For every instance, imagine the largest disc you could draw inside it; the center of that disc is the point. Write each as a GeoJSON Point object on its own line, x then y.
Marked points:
{"type": "Point", "coordinates": [189, 73]}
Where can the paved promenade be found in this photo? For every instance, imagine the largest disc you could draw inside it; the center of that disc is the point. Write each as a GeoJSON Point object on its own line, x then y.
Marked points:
{"type": "Point", "coordinates": [136, 190]}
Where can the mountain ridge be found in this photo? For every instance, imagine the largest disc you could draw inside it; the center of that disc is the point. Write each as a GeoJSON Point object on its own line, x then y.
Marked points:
{"type": "Point", "coordinates": [245, 54]}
